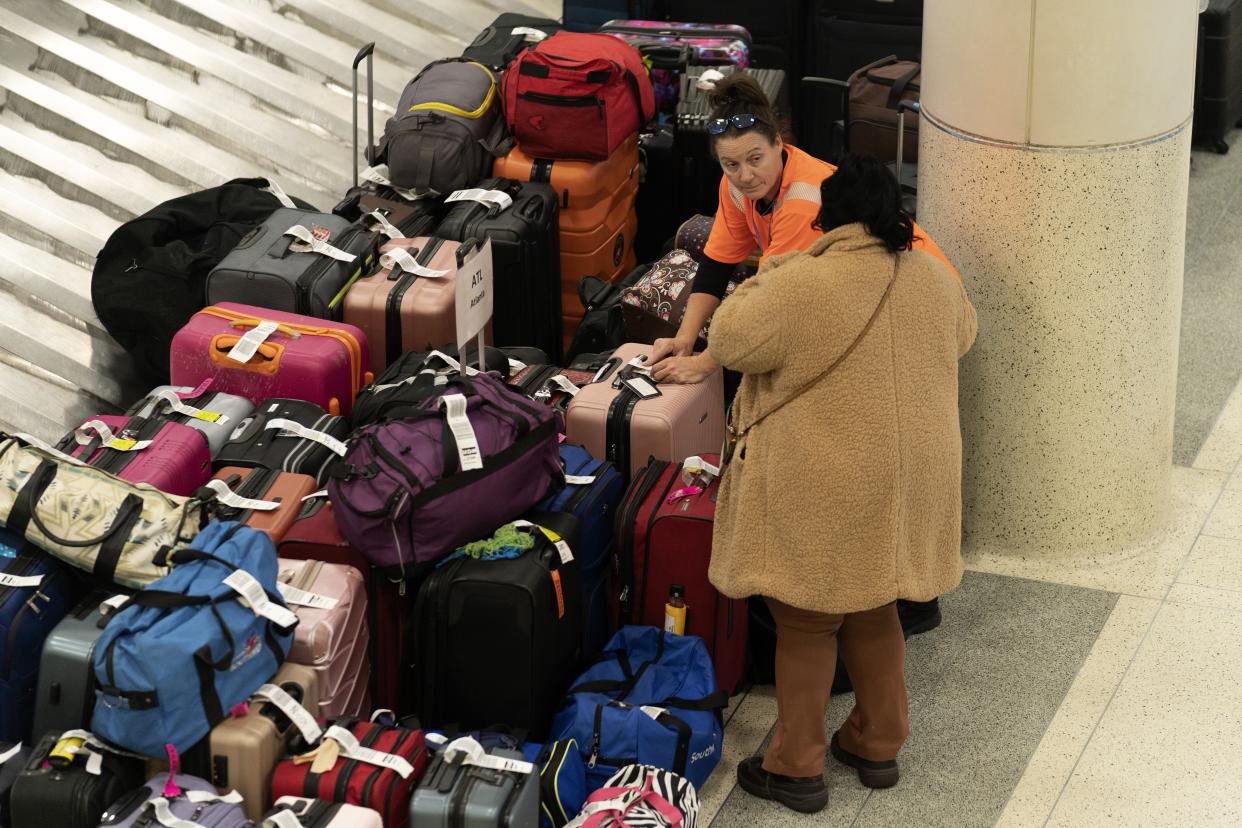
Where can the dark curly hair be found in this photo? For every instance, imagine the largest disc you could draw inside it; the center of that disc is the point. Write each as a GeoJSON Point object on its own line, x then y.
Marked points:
{"type": "Point", "coordinates": [740, 94]}
{"type": "Point", "coordinates": [864, 189]}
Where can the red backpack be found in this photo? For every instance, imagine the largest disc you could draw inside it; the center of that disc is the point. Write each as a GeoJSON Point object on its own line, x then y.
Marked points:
{"type": "Point", "coordinates": [577, 96]}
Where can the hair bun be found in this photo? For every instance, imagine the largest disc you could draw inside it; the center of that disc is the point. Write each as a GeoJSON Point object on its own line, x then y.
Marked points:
{"type": "Point", "coordinates": [738, 88]}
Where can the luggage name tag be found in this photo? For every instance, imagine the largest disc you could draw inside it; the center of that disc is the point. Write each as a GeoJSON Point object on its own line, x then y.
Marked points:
{"type": "Point", "coordinates": [687, 491]}
{"type": "Point", "coordinates": [304, 721]}
{"type": "Point", "coordinates": [20, 581]}
{"type": "Point", "coordinates": [567, 554]}
{"type": "Point", "coordinates": [256, 598]}
{"type": "Point", "coordinates": [641, 386]}
{"type": "Point", "coordinates": [175, 404]}
{"type": "Point", "coordinates": [292, 428]}
{"type": "Point", "coordinates": [187, 393]}
{"type": "Point", "coordinates": [401, 258]}
{"type": "Point", "coordinates": [468, 453]}
{"type": "Point", "coordinates": [230, 498]}
{"type": "Point", "coordinates": [302, 598]}
{"type": "Point", "coordinates": [495, 199]}
{"type": "Point", "coordinates": [310, 243]}
{"type": "Point", "coordinates": [378, 174]}
{"type": "Point", "coordinates": [322, 757]}
{"type": "Point", "coordinates": [579, 480]}
{"type": "Point", "coordinates": [386, 227]}
{"type": "Point", "coordinates": [530, 35]}
{"type": "Point", "coordinates": [165, 817]}
{"type": "Point", "coordinates": [350, 748]}
{"type": "Point", "coordinates": [473, 753]}
{"type": "Point", "coordinates": [107, 438]}
{"type": "Point", "coordinates": [248, 345]}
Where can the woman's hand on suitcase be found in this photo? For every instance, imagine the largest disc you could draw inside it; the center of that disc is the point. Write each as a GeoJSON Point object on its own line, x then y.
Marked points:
{"type": "Point", "coordinates": [684, 370]}
{"type": "Point", "coordinates": [669, 346]}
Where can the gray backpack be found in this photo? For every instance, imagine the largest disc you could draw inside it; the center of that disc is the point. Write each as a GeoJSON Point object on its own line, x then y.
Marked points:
{"type": "Point", "coordinates": [447, 130]}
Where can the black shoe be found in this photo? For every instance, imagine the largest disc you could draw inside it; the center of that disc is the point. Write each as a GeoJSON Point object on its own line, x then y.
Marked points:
{"type": "Point", "coordinates": [805, 794]}
{"type": "Point", "coordinates": [872, 774]}
{"type": "Point", "coordinates": [918, 616]}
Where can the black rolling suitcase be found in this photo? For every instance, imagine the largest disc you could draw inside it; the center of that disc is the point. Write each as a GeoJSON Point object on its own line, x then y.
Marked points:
{"type": "Point", "coordinates": [525, 259]}
{"type": "Point", "coordinates": [496, 46]}
{"type": "Point", "coordinates": [12, 759]}
{"type": "Point", "coordinates": [844, 36]}
{"type": "Point", "coordinates": [60, 791]}
{"type": "Point", "coordinates": [777, 28]}
{"type": "Point", "coordinates": [1218, 73]}
{"type": "Point", "coordinates": [499, 640]}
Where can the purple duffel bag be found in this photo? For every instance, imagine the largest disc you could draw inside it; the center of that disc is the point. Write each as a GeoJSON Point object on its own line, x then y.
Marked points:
{"type": "Point", "coordinates": [434, 476]}
{"type": "Point", "coordinates": [192, 799]}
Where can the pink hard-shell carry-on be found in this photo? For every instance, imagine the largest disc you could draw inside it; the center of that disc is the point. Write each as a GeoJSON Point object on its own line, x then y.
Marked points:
{"type": "Point", "coordinates": [172, 457]}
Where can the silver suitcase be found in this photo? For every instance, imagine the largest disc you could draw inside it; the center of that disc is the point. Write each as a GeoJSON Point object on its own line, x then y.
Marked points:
{"type": "Point", "coordinates": [220, 413]}
{"type": "Point", "coordinates": [65, 697]}
{"type": "Point", "coordinates": [453, 793]}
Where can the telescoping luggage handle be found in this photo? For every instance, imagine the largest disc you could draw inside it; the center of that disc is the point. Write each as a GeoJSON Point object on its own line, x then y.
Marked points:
{"type": "Point", "coordinates": [367, 53]}
{"type": "Point", "coordinates": [902, 106]}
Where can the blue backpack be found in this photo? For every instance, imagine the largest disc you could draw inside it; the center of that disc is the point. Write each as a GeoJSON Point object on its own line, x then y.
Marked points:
{"type": "Point", "coordinates": [183, 652]}
{"type": "Point", "coordinates": [651, 699]}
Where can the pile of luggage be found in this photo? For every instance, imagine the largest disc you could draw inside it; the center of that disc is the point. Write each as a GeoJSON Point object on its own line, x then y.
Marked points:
{"type": "Point", "coordinates": [334, 570]}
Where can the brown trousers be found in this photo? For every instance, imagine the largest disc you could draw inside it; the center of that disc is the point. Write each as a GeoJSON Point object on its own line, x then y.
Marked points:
{"type": "Point", "coordinates": [874, 651]}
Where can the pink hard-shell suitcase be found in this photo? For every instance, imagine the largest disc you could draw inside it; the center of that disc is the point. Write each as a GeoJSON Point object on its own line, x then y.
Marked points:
{"type": "Point", "coordinates": [177, 460]}
{"type": "Point", "coordinates": [332, 640]}
{"type": "Point", "coordinates": [613, 423]}
{"type": "Point", "coordinates": [315, 813]}
{"type": "Point", "coordinates": [301, 357]}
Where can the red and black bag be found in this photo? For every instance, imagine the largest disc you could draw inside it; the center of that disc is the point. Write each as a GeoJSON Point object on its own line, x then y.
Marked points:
{"type": "Point", "coordinates": [664, 537]}
{"type": "Point", "coordinates": [577, 96]}
{"type": "Point", "coordinates": [356, 782]}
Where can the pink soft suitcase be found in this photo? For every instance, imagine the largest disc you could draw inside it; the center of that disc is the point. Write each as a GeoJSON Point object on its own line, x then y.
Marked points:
{"type": "Point", "coordinates": [613, 423]}
{"type": "Point", "coordinates": [332, 635]}
{"type": "Point", "coordinates": [296, 357]}
{"type": "Point", "coordinates": [177, 460]}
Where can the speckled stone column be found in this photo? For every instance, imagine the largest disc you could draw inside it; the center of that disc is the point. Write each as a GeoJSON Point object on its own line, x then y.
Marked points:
{"type": "Point", "coordinates": [1053, 171]}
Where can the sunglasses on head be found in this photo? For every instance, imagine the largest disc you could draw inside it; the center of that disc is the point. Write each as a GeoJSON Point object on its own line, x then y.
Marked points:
{"type": "Point", "coordinates": [717, 126]}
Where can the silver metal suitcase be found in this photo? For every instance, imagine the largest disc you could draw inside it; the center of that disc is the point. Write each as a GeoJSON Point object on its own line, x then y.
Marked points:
{"type": "Point", "coordinates": [218, 413]}
{"type": "Point", "coordinates": [65, 697]}
{"type": "Point", "coordinates": [458, 794]}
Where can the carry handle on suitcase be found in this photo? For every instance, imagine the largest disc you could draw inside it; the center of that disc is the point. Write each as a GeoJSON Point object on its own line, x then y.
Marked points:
{"type": "Point", "coordinates": [367, 52]}
{"type": "Point", "coordinates": [902, 107]}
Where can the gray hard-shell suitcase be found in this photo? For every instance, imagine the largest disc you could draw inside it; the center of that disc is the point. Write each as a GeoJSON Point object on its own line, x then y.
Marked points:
{"type": "Point", "coordinates": [65, 697]}
{"type": "Point", "coordinates": [219, 413]}
{"type": "Point", "coordinates": [308, 274]}
{"type": "Point", "coordinates": [478, 797]}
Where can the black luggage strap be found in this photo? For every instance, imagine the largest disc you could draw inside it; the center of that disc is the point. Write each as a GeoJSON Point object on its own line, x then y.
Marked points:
{"type": "Point", "coordinates": [28, 495]}
{"type": "Point", "coordinates": [899, 86]}
{"type": "Point", "coordinates": [426, 161]}
{"type": "Point", "coordinates": [632, 82]}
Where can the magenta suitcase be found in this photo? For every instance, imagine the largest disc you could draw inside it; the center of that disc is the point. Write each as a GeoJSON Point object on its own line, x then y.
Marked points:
{"type": "Point", "coordinates": [331, 640]}
{"type": "Point", "coordinates": [293, 356]}
{"type": "Point", "coordinates": [613, 423]}
{"type": "Point", "coordinates": [177, 460]}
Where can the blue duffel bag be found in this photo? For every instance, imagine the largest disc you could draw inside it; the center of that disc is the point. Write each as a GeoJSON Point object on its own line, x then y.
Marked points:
{"type": "Point", "coordinates": [183, 652]}
{"type": "Point", "coordinates": [651, 699]}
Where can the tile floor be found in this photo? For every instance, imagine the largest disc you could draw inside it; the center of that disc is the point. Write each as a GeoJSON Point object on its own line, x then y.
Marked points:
{"type": "Point", "coordinates": [1088, 689]}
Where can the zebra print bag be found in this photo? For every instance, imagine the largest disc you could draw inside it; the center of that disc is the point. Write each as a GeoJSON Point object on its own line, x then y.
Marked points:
{"type": "Point", "coordinates": [641, 796]}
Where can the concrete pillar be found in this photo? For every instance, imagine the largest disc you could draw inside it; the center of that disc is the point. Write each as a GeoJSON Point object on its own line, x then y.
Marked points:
{"type": "Point", "coordinates": [1054, 167]}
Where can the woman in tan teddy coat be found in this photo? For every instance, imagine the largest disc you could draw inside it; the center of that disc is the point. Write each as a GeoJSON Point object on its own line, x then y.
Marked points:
{"type": "Point", "coordinates": [843, 493]}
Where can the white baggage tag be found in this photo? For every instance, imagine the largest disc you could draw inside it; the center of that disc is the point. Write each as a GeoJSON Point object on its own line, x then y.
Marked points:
{"type": "Point", "coordinates": [297, 714]}
{"type": "Point", "coordinates": [401, 258]}
{"type": "Point", "coordinates": [313, 244]}
{"type": "Point", "coordinates": [282, 819]}
{"type": "Point", "coordinates": [20, 581]}
{"type": "Point", "coordinates": [696, 463]}
{"type": "Point", "coordinates": [113, 605]}
{"type": "Point", "coordinates": [174, 403]}
{"type": "Point", "coordinates": [567, 554]}
{"type": "Point", "coordinates": [302, 598]}
{"type": "Point", "coordinates": [516, 365]}
{"type": "Point", "coordinates": [314, 495]}
{"type": "Point", "coordinates": [562, 382]}
{"type": "Point", "coordinates": [276, 190]}
{"type": "Point", "coordinates": [453, 363]}
{"type": "Point", "coordinates": [250, 341]}
{"type": "Point", "coordinates": [502, 200]}
{"type": "Point", "coordinates": [230, 498]}
{"type": "Point", "coordinates": [468, 453]}
{"type": "Point", "coordinates": [379, 175]}
{"type": "Point", "coordinates": [250, 589]}
{"type": "Point", "coordinates": [580, 479]}
{"type": "Point", "coordinates": [34, 441]}
{"type": "Point", "coordinates": [296, 429]}
{"type": "Point", "coordinates": [531, 35]}
{"type": "Point", "coordinates": [473, 753]}
{"type": "Point", "coordinates": [10, 753]}
{"type": "Point", "coordinates": [94, 759]}
{"type": "Point", "coordinates": [653, 712]}
{"type": "Point", "coordinates": [385, 225]}
{"type": "Point", "coordinates": [107, 438]}
{"type": "Point", "coordinates": [351, 749]}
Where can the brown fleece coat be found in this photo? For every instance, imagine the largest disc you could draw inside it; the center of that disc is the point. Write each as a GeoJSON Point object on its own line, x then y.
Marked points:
{"type": "Point", "coordinates": [849, 496]}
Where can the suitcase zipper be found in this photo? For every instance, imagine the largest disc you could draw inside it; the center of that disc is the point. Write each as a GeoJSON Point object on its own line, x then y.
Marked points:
{"type": "Point", "coordinates": [617, 429]}
{"type": "Point", "coordinates": [394, 345]}
{"type": "Point", "coordinates": [457, 808]}
{"type": "Point", "coordinates": [651, 522]}
{"type": "Point", "coordinates": [566, 100]}
{"type": "Point", "coordinates": [10, 644]}
{"type": "Point", "coordinates": [575, 500]}
{"type": "Point", "coordinates": [624, 556]}
{"type": "Point", "coordinates": [392, 789]}
{"type": "Point", "coordinates": [307, 281]}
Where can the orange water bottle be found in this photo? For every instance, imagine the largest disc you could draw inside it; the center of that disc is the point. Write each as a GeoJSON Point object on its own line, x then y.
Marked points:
{"type": "Point", "coordinates": [675, 610]}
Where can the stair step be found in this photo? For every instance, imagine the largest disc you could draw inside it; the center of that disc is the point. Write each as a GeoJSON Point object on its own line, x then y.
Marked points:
{"type": "Point", "coordinates": [357, 23]}
{"type": "Point", "coordinates": [26, 269]}
{"type": "Point", "coordinates": [37, 402]}
{"type": "Point", "coordinates": [32, 212]}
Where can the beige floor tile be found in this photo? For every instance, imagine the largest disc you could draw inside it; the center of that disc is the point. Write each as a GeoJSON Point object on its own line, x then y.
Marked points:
{"type": "Point", "coordinates": [1168, 748]}
{"type": "Point", "coordinates": [1084, 704]}
{"type": "Point", "coordinates": [1204, 596]}
{"type": "Point", "coordinates": [1214, 562]}
{"type": "Point", "coordinates": [1223, 447]}
{"type": "Point", "coordinates": [1235, 481]}
{"type": "Point", "coordinates": [1226, 518]}
{"type": "Point", "coordinates": [744, 732]}
{"type": "Point", "coordinates": [1146, 570]}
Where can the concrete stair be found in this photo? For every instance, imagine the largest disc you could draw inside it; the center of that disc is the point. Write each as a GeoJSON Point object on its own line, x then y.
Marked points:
{"type": "Point", "coordinates": [109, 107]}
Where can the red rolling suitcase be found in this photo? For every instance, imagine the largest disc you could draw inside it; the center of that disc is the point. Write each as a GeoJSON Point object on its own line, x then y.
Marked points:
{"type": "Point", "coordinates": [664, 537]}
{"type": "Point", "coordinates": [175, 458]}
{"type": "Point", "coordinates": [314, 536]}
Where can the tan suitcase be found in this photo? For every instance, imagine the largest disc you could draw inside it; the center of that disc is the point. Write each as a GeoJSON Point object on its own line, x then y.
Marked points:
{"type": "Point", "coordinates": [330, 640]}
{"type": "Point", "coordinates": [409, 308]}
{"type": "Point", "coordinates": [269, 485]}
{"type": "Point", "coordinates": [615, 424]}
{"type": "Point", "coordinates": [245, 749]}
